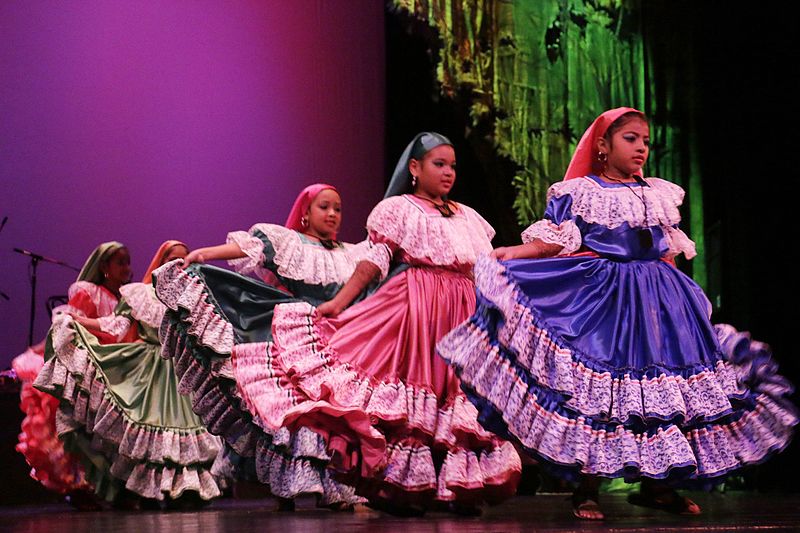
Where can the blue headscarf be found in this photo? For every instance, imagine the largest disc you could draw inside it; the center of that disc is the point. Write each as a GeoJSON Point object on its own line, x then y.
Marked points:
{"type": "Point", "coordinates": [420, 145]}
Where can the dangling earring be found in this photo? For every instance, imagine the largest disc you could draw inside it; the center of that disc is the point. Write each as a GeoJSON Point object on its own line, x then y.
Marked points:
{"type": "Point", "coordinates": [413, 181]}
{"type": "Point", "coordinates": [304, 222]}
{"type": "Point", "coordinates": [602, 159]}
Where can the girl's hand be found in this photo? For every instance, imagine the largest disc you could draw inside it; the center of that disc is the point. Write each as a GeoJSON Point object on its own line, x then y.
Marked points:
{"type": "Point", "coordinates": [329, 309]}
{"type": "Point", "coordinates": [78, 318]}
{"type": "Point", "coordinates": [195, 256]}
{"type": "Point", "coordinates": [503, 253]}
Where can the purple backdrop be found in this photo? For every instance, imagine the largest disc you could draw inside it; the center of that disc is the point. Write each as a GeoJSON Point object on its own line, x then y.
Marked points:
{"type": "Point", "coordinates": [143, 121]}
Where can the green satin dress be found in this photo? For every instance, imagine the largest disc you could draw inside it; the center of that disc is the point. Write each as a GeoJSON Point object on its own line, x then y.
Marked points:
{"type": "Point", "coordinates": [120, 409]}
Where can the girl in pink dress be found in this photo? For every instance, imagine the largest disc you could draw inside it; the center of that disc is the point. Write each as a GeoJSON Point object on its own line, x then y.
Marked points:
{"type": "Point", "coordinates": [366, 378]}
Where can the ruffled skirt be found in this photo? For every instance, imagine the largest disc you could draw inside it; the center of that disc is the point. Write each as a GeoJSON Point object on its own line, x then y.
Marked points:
{"type": "Point", "coordinates": [613, 369]}
{"type": "Point", "coordinates": [121, 413]}
{"type": "Point", "coordinates": [50, 464]}
{"type": "Point", "coordinates": [211, 310]}
{"type": "Point", "coordinates": [391, 412]}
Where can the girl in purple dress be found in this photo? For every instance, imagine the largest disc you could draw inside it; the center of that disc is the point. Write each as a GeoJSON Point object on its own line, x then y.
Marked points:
{"type": "Point", "coordinates": [596, 355]}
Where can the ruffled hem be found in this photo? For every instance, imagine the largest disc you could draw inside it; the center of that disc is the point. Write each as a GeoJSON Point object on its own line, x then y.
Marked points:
{"type": "Point", "coordinates": [524, 349]}
{"type": "Point", "coordinates": [289, 463]}
{"type": "Point", "coordinates": [146, 452]}
{"type": "Point", "coordinates": [411, 477]}
{"type": "Point", "coordinates": [299, 382]}
{"type": "Point", "coordinates": [299, 472]}
{"type": "Point", "coordinates": [50, 464]}
{"type": "Point", "coordinates": [572, 446]}
{"type": "Point", "coordinates": [182, 291]}
{"type": "Point", "coordinates": [109, 473]}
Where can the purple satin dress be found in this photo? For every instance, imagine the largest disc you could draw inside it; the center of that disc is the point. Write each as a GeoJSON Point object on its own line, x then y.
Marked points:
{"type": "Point", "coordinates": [606, 363]}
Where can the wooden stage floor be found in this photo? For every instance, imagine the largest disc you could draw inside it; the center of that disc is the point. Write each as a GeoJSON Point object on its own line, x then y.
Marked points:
{"type": "Point", "coordinates": [733, 511]}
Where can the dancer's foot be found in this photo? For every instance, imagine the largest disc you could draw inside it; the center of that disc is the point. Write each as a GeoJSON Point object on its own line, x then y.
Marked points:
{"type": "Point", "coordinates": [585, 505]}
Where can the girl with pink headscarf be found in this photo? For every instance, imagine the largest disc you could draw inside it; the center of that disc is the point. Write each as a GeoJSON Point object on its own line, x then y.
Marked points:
{"type": "Point", "coordinates": [596, 356]}
{"type": "Point", "coordinates": [212, 311]}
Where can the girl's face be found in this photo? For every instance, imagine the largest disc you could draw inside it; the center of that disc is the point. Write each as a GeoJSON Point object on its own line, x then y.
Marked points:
{"type": "Point", "coordinates": [436, 172]}
{"type": "Point", "coordinates": [178, 251]}
{"type": "Point", "coordinates": [628, 150]}
{"type": "Point", "coordinates": [325, 214]}
{"type": "Point", "coordinates": [117, 270]}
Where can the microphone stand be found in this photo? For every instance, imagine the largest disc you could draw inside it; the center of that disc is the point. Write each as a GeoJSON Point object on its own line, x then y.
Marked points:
{"type": "Point", "coordinates": [2, 225]}
{"type": "Point", "coordinates": [35, 259]}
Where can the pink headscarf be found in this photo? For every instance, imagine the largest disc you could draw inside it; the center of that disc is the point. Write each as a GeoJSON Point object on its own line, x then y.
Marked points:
{"type": "Point", "coordinates": [585, 155]}
{"type": "Point", "coordinates": [302, 203]}
{"type": "Point", "coordinates": [158, 258]}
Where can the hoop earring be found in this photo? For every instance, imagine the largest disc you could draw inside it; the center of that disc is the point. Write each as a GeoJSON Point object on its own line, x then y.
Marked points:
{"type": "Point", "coordinates": [602, 157]}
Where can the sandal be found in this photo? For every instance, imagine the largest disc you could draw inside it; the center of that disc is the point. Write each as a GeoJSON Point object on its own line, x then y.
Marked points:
{"type": "Point", "coordinates": [585, 506]}
{"type": "Point", "coordinates": [666, 500]}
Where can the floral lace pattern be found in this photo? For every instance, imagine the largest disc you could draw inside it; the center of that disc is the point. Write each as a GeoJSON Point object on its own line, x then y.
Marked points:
{"type": "Point", "coordinates": [144, 305]}
{"type": "Point", "coordinates": [679, 243]}
{"type": "Point", "coordinates": [567, 234]}
{"type": "Point", "coordinates": [178, 290]}
{"type": "Point", "coordinates": [456, 240]}
{"type": "Point", "coordinates": [294, 257]}
{"type": "Point", "coordinates": [115, 325]}
{"type": "Point", "coordinates": [613, 206]}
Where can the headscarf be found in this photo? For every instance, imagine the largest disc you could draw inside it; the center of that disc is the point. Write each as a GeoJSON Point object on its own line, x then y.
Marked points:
{"type": "Point", "coordinates": [158, 259]}
{"type": "Point", "coordinates": [420, 145]}
{"type": "Point", "coordinates": [585, 155]}
{"type": "Point", "coordinates": [302, 203]}
{"type": "Point", "coordinates": [91, 269]}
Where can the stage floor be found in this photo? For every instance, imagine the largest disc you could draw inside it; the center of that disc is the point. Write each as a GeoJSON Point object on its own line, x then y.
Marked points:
{"type": "Point", "coordinates": [740, 511]}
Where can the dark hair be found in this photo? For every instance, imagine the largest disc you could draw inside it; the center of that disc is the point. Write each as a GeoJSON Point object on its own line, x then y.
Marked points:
{"type": "Point", "coordinates": [621, 121]}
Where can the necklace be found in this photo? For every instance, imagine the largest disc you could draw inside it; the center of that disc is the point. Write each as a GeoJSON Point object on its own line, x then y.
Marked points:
{"type": "Point", "coordinates": [444, 208]}
{"type": "Point", "coordinates": [644, 233]}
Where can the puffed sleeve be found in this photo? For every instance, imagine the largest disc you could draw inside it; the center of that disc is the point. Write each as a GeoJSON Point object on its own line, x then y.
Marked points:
{"type": "Point", "coordinates": [252, 247]}
{"type": "Point", "coordinates": [558, 225]}
{"type": "Point", "coordinates": [385, 231]}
